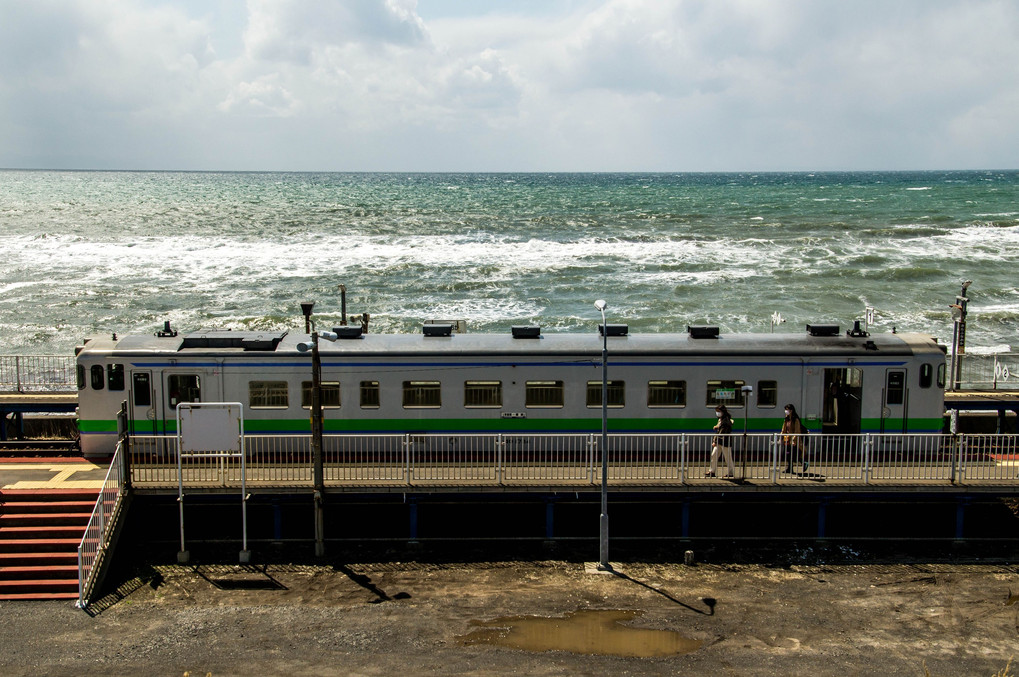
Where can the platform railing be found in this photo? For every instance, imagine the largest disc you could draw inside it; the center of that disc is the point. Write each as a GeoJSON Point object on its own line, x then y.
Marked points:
{"type": "Point", "coordinates": [99, 529]}
{"type": "Point", "coordinates": [570, 460]}
{"type": "Point", "coordinates": [37, 373]}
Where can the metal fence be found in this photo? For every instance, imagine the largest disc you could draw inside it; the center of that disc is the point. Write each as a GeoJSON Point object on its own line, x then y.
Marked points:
{"type": "Point", "coordinates": [989, 372]}
{"type": "Point", "coordinates": [37, 373]}
{"type": "Point", "coordinates": [523, 460]}
{"type": "Point", "coordinates": [100, 525]}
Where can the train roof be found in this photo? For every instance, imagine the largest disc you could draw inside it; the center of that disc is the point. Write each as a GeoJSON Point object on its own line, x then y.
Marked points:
{"type": "Point", "coordinates": [255, 344]}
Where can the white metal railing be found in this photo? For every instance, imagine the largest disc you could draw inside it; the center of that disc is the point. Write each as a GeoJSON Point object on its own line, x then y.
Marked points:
{"type": "Point", "coordinates": [37, 373]}
{"type": "Point", "coordinates": [575, 460]}
{"type": "Point", "coordinates": [97, 533]}
{"type": "Point", "coordinates": [997, 371]}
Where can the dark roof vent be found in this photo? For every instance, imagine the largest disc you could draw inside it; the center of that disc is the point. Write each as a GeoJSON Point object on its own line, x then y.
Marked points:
{"type": "Point", "coordinates": [823, 329]}
{"type": "Point", "coordinates": [437, 329]}
{"type": "Point", "coordinates": [614, 329]}
{"type": "Point", "coordinates": [700, 331]}
{"type": "Point", "coordinates": [348, 332]}
{"type": "Point", "coordinates": [166, 331]}
{"type": "Point", "coordinates": [857, 331]}
{"type": "Point", "coordinates": [218, 339]}
{"type": "Point", "coordinates": [531, 331]}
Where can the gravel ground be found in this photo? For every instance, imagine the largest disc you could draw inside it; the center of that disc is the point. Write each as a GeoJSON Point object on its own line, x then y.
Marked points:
{"type": "Point", "coordinates": [386, 618]}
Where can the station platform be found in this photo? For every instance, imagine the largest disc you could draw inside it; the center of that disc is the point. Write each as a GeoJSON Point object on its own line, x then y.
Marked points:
{"type": "Point", "coordinates": [60, 473]}
{"type": "Point", "coordinates": [17, 405]}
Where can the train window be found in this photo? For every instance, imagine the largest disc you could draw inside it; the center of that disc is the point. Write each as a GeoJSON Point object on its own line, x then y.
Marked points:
{"type": "Point", "coordinates": [614, 393]}
{"type": "Point", "coordinates": [183, 388]}
{"type": "Point", "coordinates": [896, 387]}
{"type": "Point", "coordinates": [926, 375]}
{"type": "Point", "coordinates": [729, 393]}
{"type": "Point", "coordinates": [81, 377]}
{"type": "Point", "coordinates": [666, 393]}
{"type": "Point", "coordinates": [941, 375]}
{"type": "Point", "coordinates": [422, 395]}
{"type": "Point", "coordinates": [98, 377]}
{"type": "Point", "coordinates": [543, 394]}
{"type": "Point", "coordinates": [268, 395]}
{"type": "Point", "coordinates": [370, 398]}
{"type": "Point", "coordinates": [767, 394]}
{"type": "Point", "coordinates": [142, 390]}
{"type": "Point", "coordinates": [330, 394]}
{"type": "Point", "coordinates": [480, 394]}
{"type": "Point", "coordinates": [115, 377]}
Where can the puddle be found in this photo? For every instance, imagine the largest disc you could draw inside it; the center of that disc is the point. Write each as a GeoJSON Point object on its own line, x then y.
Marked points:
{"type": "Point", "coordinates": [596, 632]}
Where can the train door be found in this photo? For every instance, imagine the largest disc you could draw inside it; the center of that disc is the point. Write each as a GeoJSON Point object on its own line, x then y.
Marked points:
{"type": "Point", "coordinates": [843, 398]}
{"type": "Point", "coordinates": [895, 402]}
{"type": "Point", "coordinates": [181, 387]}
{"type": "Point", "coordinates": [143, 403]}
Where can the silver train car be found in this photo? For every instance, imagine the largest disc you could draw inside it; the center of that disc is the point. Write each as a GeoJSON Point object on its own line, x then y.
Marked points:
{"type": "Point", "coordinates": [520, 381]}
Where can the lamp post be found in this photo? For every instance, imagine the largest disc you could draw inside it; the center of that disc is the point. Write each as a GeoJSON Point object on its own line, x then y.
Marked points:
{"type": "Point", "coordinates": [958, 334]}
{"type": "Point", "coordinates": [603, 532]}
{"type": "Point", "coordinates": [318, 469]}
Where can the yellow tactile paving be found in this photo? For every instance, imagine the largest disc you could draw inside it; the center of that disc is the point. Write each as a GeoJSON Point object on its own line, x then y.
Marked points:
{"type": "Point", "coordinates": [24, 476]}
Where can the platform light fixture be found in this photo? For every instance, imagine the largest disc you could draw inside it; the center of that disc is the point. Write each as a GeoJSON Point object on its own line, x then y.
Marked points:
{"type": "Point", "coordinates": [603, 523]}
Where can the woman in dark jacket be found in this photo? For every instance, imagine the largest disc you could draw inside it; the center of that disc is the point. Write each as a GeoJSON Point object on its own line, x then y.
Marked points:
{"type": "Point", "coordinates": [793, 431]}
{"type": "Point", "coordinates": [722, 443]}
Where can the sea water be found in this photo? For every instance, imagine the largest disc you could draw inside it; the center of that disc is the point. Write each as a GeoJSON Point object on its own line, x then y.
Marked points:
{"type": "Point", "coordinates": [92, 253]}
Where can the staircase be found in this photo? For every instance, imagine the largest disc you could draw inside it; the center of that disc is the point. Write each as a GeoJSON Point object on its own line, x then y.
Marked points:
{"type": "Point", "coordinates": [39, 535]}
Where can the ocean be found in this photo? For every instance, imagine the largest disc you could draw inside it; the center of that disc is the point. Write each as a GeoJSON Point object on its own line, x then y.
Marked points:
{"type": "Point", "coordinates": [89, 253]}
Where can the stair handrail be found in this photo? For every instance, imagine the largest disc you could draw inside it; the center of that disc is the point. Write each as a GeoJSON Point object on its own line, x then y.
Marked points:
{"type": "Point", "coordinates": [96, 538]}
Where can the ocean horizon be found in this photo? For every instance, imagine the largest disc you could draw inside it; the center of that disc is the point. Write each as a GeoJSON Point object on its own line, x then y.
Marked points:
{"type": "Point", "coordinates": [100, 251]}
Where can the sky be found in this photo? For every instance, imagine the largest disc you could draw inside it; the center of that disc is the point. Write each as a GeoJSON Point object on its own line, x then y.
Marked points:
{"type": "Point", "coordinates": [509, 85]}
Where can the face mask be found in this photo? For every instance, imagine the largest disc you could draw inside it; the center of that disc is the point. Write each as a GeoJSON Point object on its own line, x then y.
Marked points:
{"type": "Point", "coordinates": [787, 412]}
{"type": "Point", "coordinates": [718, 414]}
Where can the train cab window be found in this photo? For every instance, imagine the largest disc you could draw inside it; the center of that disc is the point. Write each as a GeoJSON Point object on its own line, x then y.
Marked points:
{"type": "Point", "coordinates": [141, 389]}
{"type": "Point", "coordinates": [483, 394]}
{"type": "Point", "coordinates": [115, 377]}
{"type": "Point", "coordinates": [98, 377]}
{"type": "Point", "coordinates": [926, 375]}
{"type": "Point", "coordinates": [183, 388]}
{"type": "Point", "coordinates": [941, 376]}
{"type": "Point", "coordinates": [330, 394]}
{"type": "Point", "coordinates": [615, 393]}
{"type": "Point", "coordinates": [543, 394]}
{"type": "Point", "coordinates": [896, 388]}
{"type": "Point", "coordinates": [370, 397]}
{"type": "Point", "coordinates": [729, 393]}
{"type": "Point", "coordinates": [422, 395]}
{"type": "Point", "coordinates": [666, 393]}
{"type": "Point", "coordinates": [268, 395]}
{"type": "Point", "coordinates": [767, 394]}
{"type": "Point", "coordinates": [81, 377]}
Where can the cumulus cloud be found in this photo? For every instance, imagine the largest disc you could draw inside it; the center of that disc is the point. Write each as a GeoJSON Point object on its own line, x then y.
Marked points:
{"type": "Point", "coordinates": [592, 84]}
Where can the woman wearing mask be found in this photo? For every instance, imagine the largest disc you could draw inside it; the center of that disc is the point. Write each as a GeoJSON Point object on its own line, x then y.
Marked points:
{"type": "Point", "coordinates": [722, 442]}
{"type": "Point", "coordinates": [793, 431]}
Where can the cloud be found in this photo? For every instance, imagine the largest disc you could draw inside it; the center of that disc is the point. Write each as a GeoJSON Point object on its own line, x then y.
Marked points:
{"type": "Point", "coordinates": [582, 85]}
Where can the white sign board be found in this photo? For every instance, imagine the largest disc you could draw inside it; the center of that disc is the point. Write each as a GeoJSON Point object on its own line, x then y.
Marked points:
{"type": "Point", "coordinates": [209, 427]}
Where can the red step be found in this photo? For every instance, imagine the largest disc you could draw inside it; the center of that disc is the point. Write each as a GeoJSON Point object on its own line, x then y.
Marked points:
{"type": "Point", "coordinates": [32, 572]}
{"type": "Point", "coordinates": [45, 518]}
{"type": "Point", "coordinates": [18, 507]}
{"type": "Point", "coordinates": [42, 532]}
{"type": "Point", "coordinates": [36, 596]}
{"type": "Point", "coordinates": [16, 559]}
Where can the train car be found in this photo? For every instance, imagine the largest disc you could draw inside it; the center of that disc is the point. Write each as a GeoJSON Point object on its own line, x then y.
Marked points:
{"type": "Point", "coordinates": [520, 381]}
